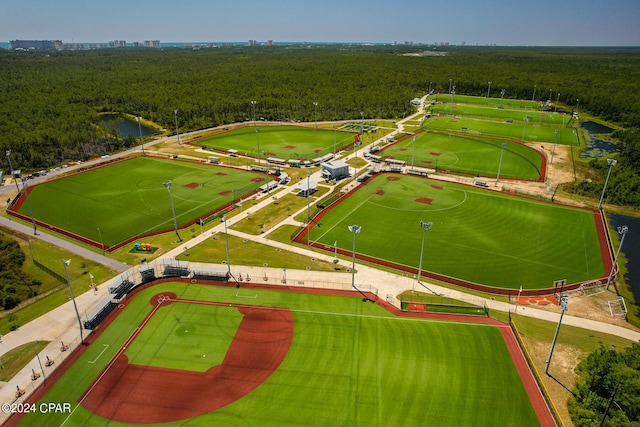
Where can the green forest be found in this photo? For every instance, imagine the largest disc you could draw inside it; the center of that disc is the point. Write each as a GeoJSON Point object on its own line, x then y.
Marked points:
{"type": "Point", "coordinates": [51, 100]}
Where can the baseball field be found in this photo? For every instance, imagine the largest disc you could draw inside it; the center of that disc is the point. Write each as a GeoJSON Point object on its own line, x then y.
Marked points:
{"type": "Point", "coordinates": [201, 354]}
{"type": "Point", "coordinates": [110, 204]}
{"type": "Point", "coordinates": [478, 236]}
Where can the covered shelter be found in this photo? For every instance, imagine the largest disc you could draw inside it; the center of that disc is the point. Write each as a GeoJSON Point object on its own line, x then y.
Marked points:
{"type": "Point", "coordinates": [336, 169]}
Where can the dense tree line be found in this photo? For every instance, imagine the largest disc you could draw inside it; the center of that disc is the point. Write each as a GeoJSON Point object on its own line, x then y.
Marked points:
{"type": "Point", "coordinates": [15, 284]}
{"type": "Point", "coordinates": [608, 392]}
{"type": "Point", "coordinates": [51, 100]}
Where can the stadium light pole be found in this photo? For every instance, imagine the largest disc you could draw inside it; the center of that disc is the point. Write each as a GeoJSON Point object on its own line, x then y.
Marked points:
{"type": "Point", "coordinates": [258, 138]}
{"type": "Point", "coordinates": [563, 304]}
{"type": "Point", "coordinates": [26, 197]}
{"type": "Point", "coordinates": [555, 109]}
{"type": "Point", "coordinates": [503, 146]}
{"type": "Point", "coordinates": [65, 264]}
{"type": "Point", "coordinates": [533, 98]}
{"type": "Point", "coordinates": [413, 155]}
{"type": "Point", "coordinates": [226, 234]}
{"type": "Point", "coordinates": [555, 140]}
{"type": "Point", "coordinates": [253, 103]}
{"type": "Point", "coordinates": [335, 137]}
{"type": "Point", "coordinates": [308, 194]}
{"type": "Point", "coordinates": [355, 229]}
{"type": "Point", "coordinates": [8, 152]}
{"type": "Point", "coordinates": [425, 226]}
{"type": "Point", "coordinates": [524, 129]}
{"type": "Point", "coordinates": [489, 90]}
{"type": "Point", "coordinates": [315, 113]}
{"type": "Point", "coordinates": [450, 83]}
{"type": "Point", "coordinates": [550, 93]}
{"type": "Point", "coordinates": [611, 163]}
{"type": "Point", "coordinates": [175, 116]}
{"type": "Point", "coordinates": [623, 232]}
{"type": "Point", "coordinates": [502, 92]}
{"type": "Point", "coordinates": [173, 209]}
{"type": "Point", "coordinates": [101, 241]}
{"type": "Point", "coordinates": [577, 104]}
{"type": "Point", "coordinates": [140, 129]}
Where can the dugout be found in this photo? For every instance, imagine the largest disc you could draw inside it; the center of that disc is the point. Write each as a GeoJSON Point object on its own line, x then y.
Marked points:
{"type": "Point", "coordinates": [175, 268]}
{"type": "Point", "coordinates": [100, 311]}
{"type": "Point", "coordinates": [268, 186]}
{"type": "Point", "coordinates": [121, 285]}
{"type": "Point", "coordinates": [147, 273]}
{"type": "Point", "coordinates": [205, 273]}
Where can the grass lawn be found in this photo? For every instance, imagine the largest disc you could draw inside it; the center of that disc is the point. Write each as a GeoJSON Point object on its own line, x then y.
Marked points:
{"type": "Point", "coordinates": [494, 112]}
{"type": "Point", "coordinates": [478, 235]}
{"type": "Point", "coordinates": [469, 155]}
{"type": "Point", "coordinates": [481, 100]}
{"type": "Point", "coordinates": [15, 359]}
{"type": "Point", "coordinates": [284, 142]}
{"type": "Point", "coordinates": [533, 132]}
{"type": "Point", "coordinates": [113, 203]}
{"type": "Point", "coordinates": [350, 363]}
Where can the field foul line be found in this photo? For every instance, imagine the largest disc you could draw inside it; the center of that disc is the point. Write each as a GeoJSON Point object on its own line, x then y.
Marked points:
{"type": "Point", "coordinates": [133, 335]}
{"type": "Point", "coordinates": [106, 346]}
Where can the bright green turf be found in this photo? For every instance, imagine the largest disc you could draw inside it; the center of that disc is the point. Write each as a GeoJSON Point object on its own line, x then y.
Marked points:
{"type": "Point", "coordinates": [180, 336]}
{"type": "Point", "coordinates": [308, 143]}
{"type": "Point", "coordinates": [478, 235]}
{"type": "Point", "coordinates": [492, 102]}
{"type": "Point", "coordinates": [474, 156]}
{"type": "Point", "coordinates": [535, 116]}
{"type": "Point", "coordinates": [350, 364]}
{"type": "Point", "coordinates": [128, 198]}
{"type": "Point", "coordinates": [534, 131]}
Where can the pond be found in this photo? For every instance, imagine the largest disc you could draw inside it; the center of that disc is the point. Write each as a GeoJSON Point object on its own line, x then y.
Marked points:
{"type": "Point", "coordinates": [631, 250]}
{"type": "Point", "coordinates": [126, 126]}
{"type": "Point", "coordinates": [596, 147]}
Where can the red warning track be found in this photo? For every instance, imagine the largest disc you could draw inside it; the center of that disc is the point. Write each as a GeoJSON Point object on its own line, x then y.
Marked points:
{"type": "Point", "coordinates": [146, 394]}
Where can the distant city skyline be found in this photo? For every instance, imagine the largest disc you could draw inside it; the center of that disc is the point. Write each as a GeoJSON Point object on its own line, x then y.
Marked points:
{"type": "Point", "coordinates": [473, 22]}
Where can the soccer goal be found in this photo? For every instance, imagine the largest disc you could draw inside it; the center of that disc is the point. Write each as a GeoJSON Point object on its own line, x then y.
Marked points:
{"type": "Point", "coordinates": [618, 308]}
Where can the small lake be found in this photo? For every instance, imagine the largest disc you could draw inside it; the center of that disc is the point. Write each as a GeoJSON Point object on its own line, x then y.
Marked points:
{"type": "Point", "coordinates": [596, 147]}
{"type": "Point", "coordinates": [631, 250]}
{"type": "Point", "coordinates": [126, 126]}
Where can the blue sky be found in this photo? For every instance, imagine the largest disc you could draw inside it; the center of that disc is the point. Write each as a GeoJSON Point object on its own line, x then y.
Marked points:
{"type": "Point", "coordinates": [501, 22]}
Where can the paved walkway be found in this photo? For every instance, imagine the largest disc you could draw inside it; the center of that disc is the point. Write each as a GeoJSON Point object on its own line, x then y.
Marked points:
{"type": "Point", "coordinates": [61, 325]}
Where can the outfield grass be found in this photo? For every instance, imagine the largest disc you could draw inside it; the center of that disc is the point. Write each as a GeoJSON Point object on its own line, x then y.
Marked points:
{"type": "Point", "coordinates": [284, 142]}
{"type": "Point", "coordinates": [535, 116]}
{"type": "Point", "coordinates": [478, 235]}
{"type": "Point", "coordinates": [533, 133]}
{"type": "Point", "coordinates": [113, 203]}
{"type": "Point", "coordinates": [350, 363]}
{"type": "Point", "coordinates": [469, 155]}
{"type": "Point", "coordinates": [492, 101]}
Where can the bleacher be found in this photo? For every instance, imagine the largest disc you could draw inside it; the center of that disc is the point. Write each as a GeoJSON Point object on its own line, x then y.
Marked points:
{"type": "Point", "coordinates": [175, 268]}
{"type": "Point", "coordinates": [209, 274]}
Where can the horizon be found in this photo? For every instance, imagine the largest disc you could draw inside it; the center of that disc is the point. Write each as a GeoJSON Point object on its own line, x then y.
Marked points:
{"type": "Point", "coordinates": [572, 23]}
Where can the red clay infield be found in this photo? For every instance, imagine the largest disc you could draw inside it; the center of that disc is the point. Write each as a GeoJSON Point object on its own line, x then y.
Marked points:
{"type": "Point", "coordinates": [424, 200]}
{"type": "Point", "coordinates": [380, 192]}
{"type": "Point", "coordinates": [225, 193]}
{"type": "Point", "coordinates": [393, 178]}
{"type": "Point", "coordinates": [145, 394]}
{"type": "Point", "coordinates": [192, 185]}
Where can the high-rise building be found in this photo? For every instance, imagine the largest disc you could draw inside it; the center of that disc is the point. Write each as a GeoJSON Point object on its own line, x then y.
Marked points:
{"type": "Point", "coordinates": [37, 44]}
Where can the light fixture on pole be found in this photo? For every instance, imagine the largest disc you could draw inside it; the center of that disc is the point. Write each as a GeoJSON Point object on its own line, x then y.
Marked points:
{"type": "Point", "coordinates": [623, 232]}
{"type": "Point", "coordinates": [425, 226]}
{"type": "Point", "coordinates": [555, 109]}
{"type": "Point", "coordinates": [611, 163]}
{"type": "Point", "coordinates": [550, 93]}
{"type": "Point", "coordinates": [140, 129]}
{"type": "Point", "coordinates": [577, 104]}
{"type": "Point", "coordinates": [12, 172]}
{"type": "Point", "coordinates": [308, 194]}
{"type": "Point", "coordinates": [450, 83]}
{"type": "Point", "coordinates": [335, 138]}
{"type": "Point", "coordinates": [555, 140]}
{"type": "Point", "coordinates": [503, 146]}
{"type": "Point", "coordinates": [489, 90]}
{"type": "Point", "coordinates": [502, 92]}
{"type": "Point", "coordinates": [315, 113]}
{"type": "Point", "coordinates": [563, 305]}
{"type": "Point", "coordinates": [355, 229]}
{"type": "Point", "coordinates": [258, 138]}
{"type": "Point", "coordinates": [533, 98]}
{"type": "Point", "coordinates": [226, 234]}
{"type": "Point", "coordinates": [175, 116]}
{"type": "Point", "coordinates": [65, 264]}
{"type": "Point", "coordinates": [173, 210]}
